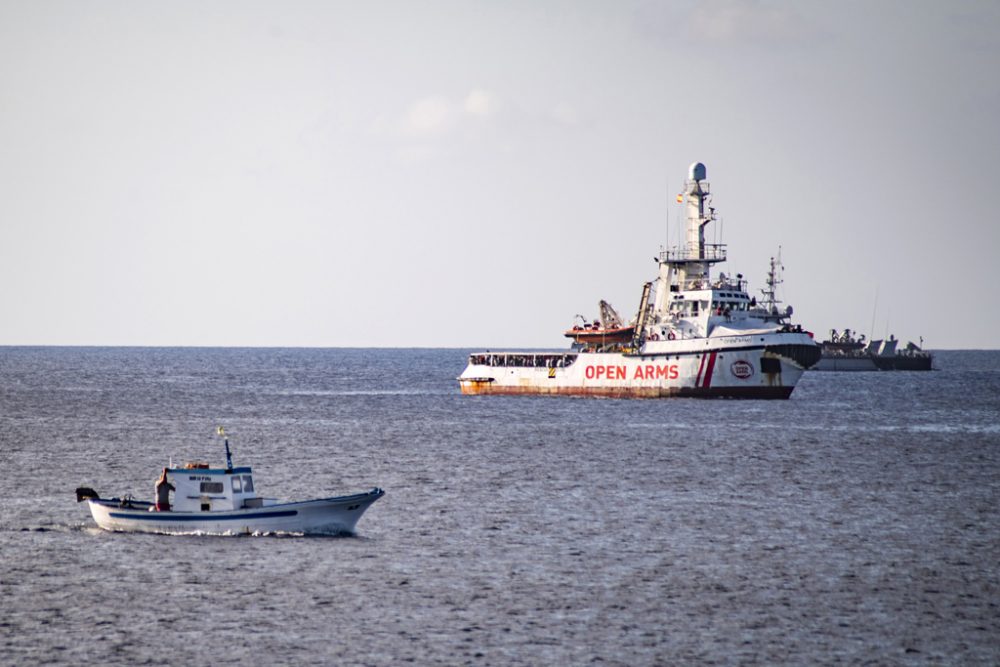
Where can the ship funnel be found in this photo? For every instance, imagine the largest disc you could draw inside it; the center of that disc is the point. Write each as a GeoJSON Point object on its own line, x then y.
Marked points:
{"type": "Point", "coordinates": [697, 172]}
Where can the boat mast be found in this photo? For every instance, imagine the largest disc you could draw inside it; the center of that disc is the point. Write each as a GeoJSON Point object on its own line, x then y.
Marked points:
{"type": "Point", "coordinates": [229, 456]}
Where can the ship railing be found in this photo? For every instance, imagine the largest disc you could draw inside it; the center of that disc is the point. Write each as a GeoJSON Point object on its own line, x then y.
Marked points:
{"type": "Point", "coordinates": [710, 252]}
{"type": "Point", "coordinates": [694, 283]}
{"type": "Point", "coordinates": [738, 285]}
{"type": "Point", "coordinates": [523, 360]}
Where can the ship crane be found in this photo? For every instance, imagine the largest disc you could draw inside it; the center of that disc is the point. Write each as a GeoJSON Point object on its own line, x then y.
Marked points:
{"type": "Point", "coordinates": [610, 319]}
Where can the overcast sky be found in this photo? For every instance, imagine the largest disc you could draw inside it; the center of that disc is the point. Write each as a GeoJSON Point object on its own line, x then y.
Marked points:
{"type": "Point", "coordinates": [475, 174]}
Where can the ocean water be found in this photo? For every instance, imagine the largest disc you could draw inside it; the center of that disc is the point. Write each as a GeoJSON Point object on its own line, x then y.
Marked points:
{"type": "Point", "coordinates": [856, 523]}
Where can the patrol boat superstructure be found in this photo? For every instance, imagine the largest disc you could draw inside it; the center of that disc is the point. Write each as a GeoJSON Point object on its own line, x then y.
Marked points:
{"type": "Point", "coordinates": [693, 335]}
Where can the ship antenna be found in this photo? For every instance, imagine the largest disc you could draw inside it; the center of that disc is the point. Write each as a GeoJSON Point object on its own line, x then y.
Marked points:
{"type": "Point", "coordinates": [666, 230]}
{"type": "Point", "coordinates": [229, 455]}
{"type": "Point", "coordinates": [871, 330]}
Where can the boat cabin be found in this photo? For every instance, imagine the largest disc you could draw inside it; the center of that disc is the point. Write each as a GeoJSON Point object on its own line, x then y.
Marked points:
{"type": "Point", "coordinates": [198, 488]}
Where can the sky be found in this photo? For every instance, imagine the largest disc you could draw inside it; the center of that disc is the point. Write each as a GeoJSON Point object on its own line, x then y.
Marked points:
{"type": "Point", "coordinates": [475, 174]}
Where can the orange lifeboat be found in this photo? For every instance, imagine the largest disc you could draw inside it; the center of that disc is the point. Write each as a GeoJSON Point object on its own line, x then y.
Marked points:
{"type": "Point", "coordinates": [598, 335]}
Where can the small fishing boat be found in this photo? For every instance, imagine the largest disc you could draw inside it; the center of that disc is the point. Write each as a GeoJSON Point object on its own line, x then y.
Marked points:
{"type": "Point", "coordinates": [224, 501]}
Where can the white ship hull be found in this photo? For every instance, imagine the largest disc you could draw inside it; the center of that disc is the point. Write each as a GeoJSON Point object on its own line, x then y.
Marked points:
{"type": "Point", "coordinates": [752, 366]}
{"type": "Point", "coordinates": [327, 516]}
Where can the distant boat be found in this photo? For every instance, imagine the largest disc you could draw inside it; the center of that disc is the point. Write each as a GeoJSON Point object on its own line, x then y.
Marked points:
{"type": "Point", "coordinates": [844, 352]}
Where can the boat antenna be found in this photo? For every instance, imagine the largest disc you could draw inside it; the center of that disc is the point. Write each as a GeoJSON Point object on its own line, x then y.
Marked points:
{"type": "Point", "coordinates": [871, 330]}
{"type": "Point", "coordinates": [229, 455]}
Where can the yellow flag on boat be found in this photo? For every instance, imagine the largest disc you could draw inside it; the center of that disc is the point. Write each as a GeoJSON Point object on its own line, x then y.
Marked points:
{"type": "Point", "coordinates": [680, 198]}
{"type": "Point", "coordinates": [221, 431]}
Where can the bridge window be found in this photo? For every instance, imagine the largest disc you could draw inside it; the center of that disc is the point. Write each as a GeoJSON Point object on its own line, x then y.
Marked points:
{"type": "Point", "coordinates": [211, 487]}
{"type": "Point", "coordinates": [237, 484]}
{"type": "Point", "coordinates": [247, 484]}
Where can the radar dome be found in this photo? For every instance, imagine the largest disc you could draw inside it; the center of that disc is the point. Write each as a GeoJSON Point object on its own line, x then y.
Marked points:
{"type": "Point", "coordinates": [697, 172]}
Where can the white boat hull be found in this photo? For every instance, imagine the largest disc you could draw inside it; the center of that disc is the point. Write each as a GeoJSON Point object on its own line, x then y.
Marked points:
{"type": "Point", "coordinates": [326, 516]}
{"type": "Point", "coordinates": [759, 366]}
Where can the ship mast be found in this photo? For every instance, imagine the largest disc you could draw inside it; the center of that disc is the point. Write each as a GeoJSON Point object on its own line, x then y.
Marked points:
{"type": "Point", "coordinates": [696, 195]}
{"type": "Point", "coordinates": [770, 301]}
{"type": "Point", "coordinates": [686, 267]}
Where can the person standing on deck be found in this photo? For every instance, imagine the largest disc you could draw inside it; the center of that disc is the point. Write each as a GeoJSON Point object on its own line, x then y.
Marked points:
{"type": "Point", "coordinates": [163, 489]}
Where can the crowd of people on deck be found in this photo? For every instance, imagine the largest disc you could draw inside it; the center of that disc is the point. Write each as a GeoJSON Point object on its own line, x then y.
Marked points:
{"type": "Point", "coordinates": [526, 360]}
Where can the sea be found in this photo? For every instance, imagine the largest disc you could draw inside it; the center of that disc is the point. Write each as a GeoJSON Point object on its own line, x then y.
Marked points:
{"type": "Point", "coordinates": [856, 523]}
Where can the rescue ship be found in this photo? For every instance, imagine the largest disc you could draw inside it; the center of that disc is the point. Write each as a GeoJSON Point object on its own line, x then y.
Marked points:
{"type": "Point", "coordinates": [694, 334]}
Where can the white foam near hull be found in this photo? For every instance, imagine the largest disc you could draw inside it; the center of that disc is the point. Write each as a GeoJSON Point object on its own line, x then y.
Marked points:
{"type": "Point", "coordinates": [326, 516]}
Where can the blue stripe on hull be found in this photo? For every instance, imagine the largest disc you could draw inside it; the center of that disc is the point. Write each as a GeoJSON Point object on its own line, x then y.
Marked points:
{"type": "Point", "coordinates": [245, 470]}
{"type": "Point", "coordinates": [203, 516]}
